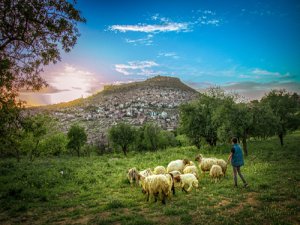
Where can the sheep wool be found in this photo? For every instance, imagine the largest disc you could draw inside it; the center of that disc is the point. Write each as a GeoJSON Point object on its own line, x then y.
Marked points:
{"type": "Point", "coordinates": [191, 169]}
{"type": "Point", "coordinates": [216, 172]}
{"type": "Point", "coordinates": [187, 181]}
{"type": "Point", "coordinates": [132, 175]}
{"type": "Point", "coordinates": [154, 185]}
{"type": "Point", "coordinates": [223, 164]}
{"type": "Point", "coordinates": [177, 165]}
{"type": "Point", "coordinates": [146, 172]}
{"type": "Point", "coordinates": [205, 163]}
{"type": "Point", "coordinates": [159, 170]}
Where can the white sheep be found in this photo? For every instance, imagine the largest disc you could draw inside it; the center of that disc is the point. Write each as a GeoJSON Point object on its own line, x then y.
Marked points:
{"type": "Point", "coordinates": [170, 178]}
{"type": "Point", "coordinates": [132, 175]}
{"type": "Point", "coordinates": [147, 172]}
{"type": "Point", "coordinates": [177, 165]}
{"type": "Point", "coordinates": [186, 180]}
{"type": "Point", "coordinates": [191, 169]}
{"type": "Point", "coordinates": [223, 164]}
{"type": "Point", "coordinates": [216, 172]}
{"type": "Point", "coordinates": [205, 163]}
{"type": "Point", "coordinates": [159, 170]}
{"type": "Point", "coordinates": [155, 185]}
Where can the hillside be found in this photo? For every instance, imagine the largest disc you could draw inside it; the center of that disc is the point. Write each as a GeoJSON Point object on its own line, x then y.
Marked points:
{"type": "Point", "coordinates": [155, 100]}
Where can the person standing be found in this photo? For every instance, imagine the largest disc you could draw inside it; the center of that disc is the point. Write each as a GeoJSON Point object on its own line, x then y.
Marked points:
{"type": "Point", "coordinates": [237, 161]}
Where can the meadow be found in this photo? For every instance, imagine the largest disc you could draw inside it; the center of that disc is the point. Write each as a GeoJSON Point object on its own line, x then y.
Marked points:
{"type": "Point", "coordinates": [95, 190]}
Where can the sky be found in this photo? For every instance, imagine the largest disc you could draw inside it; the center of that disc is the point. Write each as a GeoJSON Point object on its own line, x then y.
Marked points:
{"type": "Point", "coordinates": [248, 47]}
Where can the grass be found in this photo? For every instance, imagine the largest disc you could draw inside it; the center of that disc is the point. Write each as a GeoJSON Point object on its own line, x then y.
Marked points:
{"type": "Point", "coordinates": [94, 190]}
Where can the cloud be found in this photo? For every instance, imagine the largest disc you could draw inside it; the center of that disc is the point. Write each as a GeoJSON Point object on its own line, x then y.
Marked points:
{"type": "Point", "coordinates": [155, 28]}
{"type": "Point", "coordinates": [168, 54]}
{"type": "Point", "coordinates": [269, 73]}
{"type": "Point", "coordinates": [161, 24]}
{"type": "Point", "coordinates": [136, 68]}
{"type": "Point", "coordinates": [256, 90]}
{"type": "Point", "coordinates": [148, 40]}
{"type": "Point", "coordinates": [208, 17]}
{"type": "Point", "coordinates": [66, 83]}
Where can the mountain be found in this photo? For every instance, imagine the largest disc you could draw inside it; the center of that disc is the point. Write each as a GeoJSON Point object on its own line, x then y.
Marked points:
{"type": "Point", "coordinates": [154, 100]}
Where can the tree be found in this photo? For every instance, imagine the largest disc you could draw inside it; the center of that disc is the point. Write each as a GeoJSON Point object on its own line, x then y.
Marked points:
{"type": "Point", "coordinates": [77, 138]}
{"type": "Point", "coordinates": [198, 120]}
{"type": "Point", "coordinates": [151, 136]}
{"type": "Point", "coordinates": [264, 121]}
{"type": "Point", "coordinates": [55, 144]}
{"type": "Point", "coordinates": [36, 128]}
{"type": "Point", "coordinates": [32, 34]}
{"type": "Point", "coordinates": [286, 107]}
{"type": "Point", "coordinates": [123, 135]}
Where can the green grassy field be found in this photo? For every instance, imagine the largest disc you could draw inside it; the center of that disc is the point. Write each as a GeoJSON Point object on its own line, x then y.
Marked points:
{"type": "Point", "coordinates": [94, 190]}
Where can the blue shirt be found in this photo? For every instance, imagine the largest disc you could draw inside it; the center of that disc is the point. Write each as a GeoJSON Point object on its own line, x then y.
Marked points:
{"type": "Point", "coordinates": [237, 156]}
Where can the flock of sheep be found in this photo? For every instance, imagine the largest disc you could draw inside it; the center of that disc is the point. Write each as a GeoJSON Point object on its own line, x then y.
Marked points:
{"type": "Point", "coordinates": [179, 173]}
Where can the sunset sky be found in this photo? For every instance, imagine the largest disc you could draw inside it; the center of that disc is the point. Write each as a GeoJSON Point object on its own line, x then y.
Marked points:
{"type": "Point", "coordinates": [247, 46]}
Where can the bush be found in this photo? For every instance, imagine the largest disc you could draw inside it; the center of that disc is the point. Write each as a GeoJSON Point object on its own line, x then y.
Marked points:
{"type": "Point", "coordinates": [55, 144]}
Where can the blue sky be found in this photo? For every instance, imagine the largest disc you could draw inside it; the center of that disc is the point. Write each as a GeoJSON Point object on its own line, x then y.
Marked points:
{"type": "Point", "coordinates": [246, 46]}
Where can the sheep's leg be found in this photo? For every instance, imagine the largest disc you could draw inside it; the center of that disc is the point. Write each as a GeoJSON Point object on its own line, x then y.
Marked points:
{"type": "Point", "coordinates": [163, 198]}
{"type": "Point", "coordinates": [183, 189]}
{"type": "Point", "coordinates": [173, 189]}
{"type": "Point", "coordinates": [190, 188]}
{"type": "Point", "coordinates": [148, 196]}
{"type": "Point", "coordinates": [155, 196]}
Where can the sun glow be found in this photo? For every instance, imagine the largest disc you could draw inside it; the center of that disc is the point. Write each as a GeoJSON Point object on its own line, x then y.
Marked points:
{"type": "Point", "coordinates": [69, 84]}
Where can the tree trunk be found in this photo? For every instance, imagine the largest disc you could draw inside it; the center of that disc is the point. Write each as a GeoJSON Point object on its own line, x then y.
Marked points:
{"type": "Point", "coordinates": [281, 139]}
{"type": "Point", "coordinates": [245, 148]}
{"type": "Point", "coordinates": [78, 152]}
{"type": "Point", "coordinates": [124, 148]}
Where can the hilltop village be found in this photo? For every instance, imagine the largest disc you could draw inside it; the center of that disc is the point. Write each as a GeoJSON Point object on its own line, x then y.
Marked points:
{"type": "Point", "coordinates": [154, 100]}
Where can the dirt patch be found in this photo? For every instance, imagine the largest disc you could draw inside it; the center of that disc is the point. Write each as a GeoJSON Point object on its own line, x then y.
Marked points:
{"type": "Point", "coordinates": [250, 200]}
{"type": "Point", "coordinates": [223, 202]}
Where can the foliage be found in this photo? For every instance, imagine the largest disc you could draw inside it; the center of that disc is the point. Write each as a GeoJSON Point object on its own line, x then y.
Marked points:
{"type": "Point", "coordinates": [152, 136]}
{"type": "Point", "coordinates": [35, 129]}
{"type": "Point", "coordinates": [286, 107]}
{"type": "Point", "coordinates": [166, 139]}
{"type": "Point", "coordinates": [32, 35]}
{"type": "Point", "coordinates": [77, 138]}
{"type": "Point", "coordinates": [183, 140]}
{"type": "Point", "coordinates": [122, 135]}
{"type": "Point", "coordinates": [55, 144]}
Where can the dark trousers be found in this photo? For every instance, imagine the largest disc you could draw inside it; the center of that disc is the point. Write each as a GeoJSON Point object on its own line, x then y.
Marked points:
{"type": "Point", "coordinates": [237, 170]}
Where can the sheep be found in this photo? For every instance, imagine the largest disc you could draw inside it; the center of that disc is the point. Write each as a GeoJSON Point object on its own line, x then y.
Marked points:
{"type": "Point", "coordinates": [223, 164]}
{"type": "Point", "coordinates": [146, 172]}
{"type": "Point", "coordinates": [205, 163]}
{"type": "Point", "coordinates": [177, 165]}
{"type": "Point", "coordinates": [191, 169]}
{"type": "Point", "coordinates": [159, 170]}
{"type": "Point", "coordinates": [170, 177]}
{"type": "Point", "coordinates": [132, 175]}
{"type": "Point", "coordinates": [216, 172]}
{"type": "Point", "coordinates": [188, 179]}
{"type": "Point", "coordinates": [175, 173]}
{"type": "Point", "coordinates": [155, 185]}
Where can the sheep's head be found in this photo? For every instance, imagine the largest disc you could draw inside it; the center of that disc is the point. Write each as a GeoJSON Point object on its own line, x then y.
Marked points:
{"type": "Point", "coordinates": [198, 158]}
{"type": "Point", "coordinates": [186, 161]}
{"type": "Point", "coordinates": [196, 184]}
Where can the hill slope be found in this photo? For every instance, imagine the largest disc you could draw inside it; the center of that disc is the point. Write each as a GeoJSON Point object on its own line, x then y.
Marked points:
{"type": "Point", "coordinates": [155, 100]}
